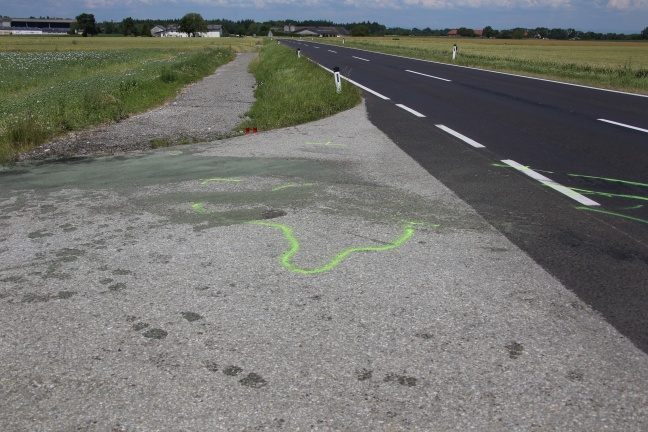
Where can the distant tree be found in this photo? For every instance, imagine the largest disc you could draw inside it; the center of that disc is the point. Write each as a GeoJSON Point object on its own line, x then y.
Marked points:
{"type": "Point", "coordinates": [488, 32]}
{"type": "Point", "coordinates": [644, 33]}
{"type": "Point", "coordinates": [557, 33]}
{"type": "Point", "coordinates": [87, 23]}
{"type": "Point", "coordinates": [466, 32]}
{"type": "Point", "coordinates": [192, 24]}
{"type": "Point", "coordinates": [519, 33]}
{"type": "Point", "coordinates": [128, 27]}
{"type": "Point", "coordinates": [360, 30]}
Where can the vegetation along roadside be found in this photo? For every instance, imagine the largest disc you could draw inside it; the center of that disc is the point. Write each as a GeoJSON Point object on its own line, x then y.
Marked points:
{"type": "Point", "coordinates": [55, 88]}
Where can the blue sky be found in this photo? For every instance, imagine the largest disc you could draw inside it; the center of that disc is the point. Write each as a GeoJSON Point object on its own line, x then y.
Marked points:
{"type": "Point", "coordinates": [617, 16]}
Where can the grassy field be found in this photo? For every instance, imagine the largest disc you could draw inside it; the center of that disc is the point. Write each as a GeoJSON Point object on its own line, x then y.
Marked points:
{"type": "Point", "coordinates": [613, 65]}
{"type": "Point", "coordinates": [54, 85]}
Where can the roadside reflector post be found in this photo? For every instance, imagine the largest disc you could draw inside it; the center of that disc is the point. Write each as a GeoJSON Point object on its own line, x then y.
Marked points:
{"type": "Point", "coordinates": [298, 53]}
{"type": "Point", "coordinates": [338, 80]}
{"type": "Point", "coordinates": [454, 51]}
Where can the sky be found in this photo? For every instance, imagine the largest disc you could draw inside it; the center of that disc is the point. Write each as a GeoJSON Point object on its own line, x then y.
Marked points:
{"type": "Point", "coordinates": [603, 16]}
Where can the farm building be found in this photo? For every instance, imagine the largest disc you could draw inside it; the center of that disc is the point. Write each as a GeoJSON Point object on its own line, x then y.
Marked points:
{"type": "Point", "coordinates": [213, 30]}
{"type": "Point", "coordinates": [32, 26]}
{"type": "Point", "coordinates": [316, 31]}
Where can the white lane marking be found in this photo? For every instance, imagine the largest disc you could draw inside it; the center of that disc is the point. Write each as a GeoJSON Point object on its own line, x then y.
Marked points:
{"type": "Point", "coordinates": [360, 58]}
{"type": "Point", "coordinates": [367, 89]}
{"type": "Point", "coordinates": [460, 136]}
{"type": "Point", "coordinates": [624, 125]}
{"type": "Point", "coordinates": [335, 52]}
{"type": "Point", "coordinates": [426, 75]}
{"type": "Point", "coordinates": [552, 184]}
{"type": "Point", "coordinates": [408, 109]}
{"type": "Point", "coordinates": [506, 73]}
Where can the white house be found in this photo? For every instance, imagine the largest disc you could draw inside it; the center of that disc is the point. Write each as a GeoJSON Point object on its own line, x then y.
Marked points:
{"type": "Point", "coordinates": [213, 30]}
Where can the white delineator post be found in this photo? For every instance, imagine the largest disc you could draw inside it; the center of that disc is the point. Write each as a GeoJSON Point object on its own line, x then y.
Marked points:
{"type": "Point", "coordinates": [338, 80]}
{"type": "Point", "coordinates": [298, 53]}
{"type": "Point", "coordinates": [454, 51]}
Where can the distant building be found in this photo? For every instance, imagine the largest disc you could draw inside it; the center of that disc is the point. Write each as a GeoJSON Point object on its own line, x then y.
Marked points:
{"type": "Point", "coordinates": [316, 31]}
{"type": "Point", "coordinates": [32, 26]}
{"type": "Point", "coordinates": [213, 30]}
{"type": "Point", "coordinates": [455, 33]}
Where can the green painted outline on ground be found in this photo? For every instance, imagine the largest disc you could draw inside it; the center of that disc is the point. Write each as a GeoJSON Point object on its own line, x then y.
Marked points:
{"type": "Point", "coordinates": [613, 214]}
{"type": "Point", "coordinates": [221, 179]}
{"type": "Point", "coordinates": [610, 180]}
{"type": "Point", "coordinates": [292, 186]}
{"type": "Point", "coordinates": [609, 195]}
{"type": "Point", "coordinates": [295, 246]}
{"type": "Point", "coordinates": [198, 208]}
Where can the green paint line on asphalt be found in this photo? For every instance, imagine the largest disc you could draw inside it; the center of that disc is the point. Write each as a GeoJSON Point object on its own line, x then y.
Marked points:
{"type": "Point", "coordinates": [613, 214]}
{"type": "Point", "coordinates": [220, 179]}
{"type": "Point", "coordinates": [609, 195]}
{"type": "Point", "coordinates": [610, 180]}
{"type": "Point", "coordinates": [292, 185]}
{"type": "Point", "coordinates": [295, 246]}
{"type": "Point", "coordinates": [198, 208]}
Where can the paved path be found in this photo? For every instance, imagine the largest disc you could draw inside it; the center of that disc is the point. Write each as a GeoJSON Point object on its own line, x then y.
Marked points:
{"type": "Point", "coordinates": [313, 277]}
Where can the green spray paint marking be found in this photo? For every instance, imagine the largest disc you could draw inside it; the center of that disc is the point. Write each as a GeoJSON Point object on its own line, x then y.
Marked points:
{"type": "Point", "coordinates": [525, 167]}
{"type": "Point", "coordinates": [198, 208]}
{"type": "Point", "coordinates": [609, 195]}
{"type": "Point", "coordinates": [610, 180]}
{"type": "Point", "coordinates": [293, 185]}
{"type": "Point", "coordinates": [220, 179]}
{"type": "Point", "coordinates": [613, 214]}
{"type": "Point", "coordinates": [328, 144]}
{"type": "Point", "coordinates": [295, 245]}
{"type": "Point", "coordinates": [637, 207]}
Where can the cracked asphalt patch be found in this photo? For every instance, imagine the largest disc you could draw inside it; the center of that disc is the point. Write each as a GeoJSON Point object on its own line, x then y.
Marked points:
{"type": "Point", "coordinates": [136, 294]}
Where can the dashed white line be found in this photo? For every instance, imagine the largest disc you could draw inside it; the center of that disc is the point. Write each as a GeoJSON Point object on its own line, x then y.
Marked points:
{"type": "Point", "coordinates": [335, 52]}
{"type": "Point", "coordinates": [360, 58]}
{"type": "Point", "coordinates": [624, 125]}
{"type": "Point", "coordinates": [410, 110]}
{"type": "Point", "coordinates": [552, 184]}
{"type": "Point", "coordinates": [460, 136]}
{"type": "Point", "coordinates": [429, 76]}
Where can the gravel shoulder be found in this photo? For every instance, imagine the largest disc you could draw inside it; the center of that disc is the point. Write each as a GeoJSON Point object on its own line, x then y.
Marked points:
{"type": "Point", "coordinates": [207, 110]}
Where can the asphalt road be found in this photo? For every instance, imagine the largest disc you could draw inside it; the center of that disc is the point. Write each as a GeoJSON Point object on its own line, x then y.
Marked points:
{"type": "Point", "coordinates": [469, 128]}
{"type": "Point", "coordinates": [310, 278]}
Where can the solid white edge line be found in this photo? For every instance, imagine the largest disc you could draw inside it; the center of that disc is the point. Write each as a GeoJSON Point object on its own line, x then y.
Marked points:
{"type": "Point", "coordinates": [367, 89]}
{"type": "Point", "coordinates": [426, 75]}
{"type": "Point", "coordinates": [410, 110]}
{"type": "Point", "coordinates": [460, 136]}
{"type": "Point", "coordinates": [360, 58]}
{"type": "Point", "coordinates": [552, 184]}
{"type": "Point", "coordinates": [624, 125]}
{"type": "Point", "coordinates": [506, 73]}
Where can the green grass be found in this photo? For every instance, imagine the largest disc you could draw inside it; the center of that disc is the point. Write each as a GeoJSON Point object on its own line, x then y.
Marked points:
{"type": "Point", "coordinates": [613, 65]}
{"type": "Point", "coordinates": [47, 94]}
{"type": "Point", "coordinates": [292, 91]}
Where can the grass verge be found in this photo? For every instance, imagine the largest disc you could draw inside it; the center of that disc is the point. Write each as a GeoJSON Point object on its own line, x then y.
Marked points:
{"type": "Point", "coordinates": [45, 99]}
{"type": "Point", "coordinates": [292, 90]}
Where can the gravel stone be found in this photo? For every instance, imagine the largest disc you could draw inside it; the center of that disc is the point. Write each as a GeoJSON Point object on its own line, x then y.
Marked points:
{"type": "Point", "coordinates": [204, 111]}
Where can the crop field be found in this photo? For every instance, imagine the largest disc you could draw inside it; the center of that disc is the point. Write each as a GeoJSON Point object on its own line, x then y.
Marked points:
{"type": "Point", "coordinates": [613, 65]}
{"type": "Point", "coordinates": [53, 85]}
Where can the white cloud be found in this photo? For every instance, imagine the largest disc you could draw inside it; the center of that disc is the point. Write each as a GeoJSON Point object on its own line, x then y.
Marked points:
{"type": "Point", "coordinates": [628, 4]}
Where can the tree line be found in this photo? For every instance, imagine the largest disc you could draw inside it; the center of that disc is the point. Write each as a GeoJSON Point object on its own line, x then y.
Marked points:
{"type": "Point", "coordinates": [193, 22]}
